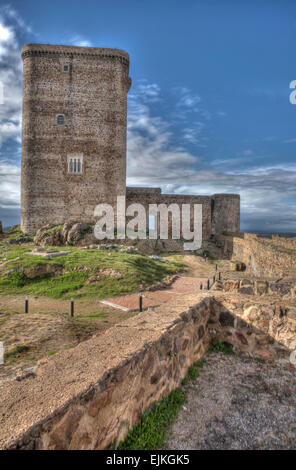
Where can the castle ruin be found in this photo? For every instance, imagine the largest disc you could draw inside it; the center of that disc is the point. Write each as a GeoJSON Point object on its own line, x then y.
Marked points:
{"type": "Point", "coordinates": [74, 141]}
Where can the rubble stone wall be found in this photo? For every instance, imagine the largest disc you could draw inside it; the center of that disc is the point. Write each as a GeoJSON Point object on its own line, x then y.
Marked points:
{"type": "Point", "coordinates": [88, 397]}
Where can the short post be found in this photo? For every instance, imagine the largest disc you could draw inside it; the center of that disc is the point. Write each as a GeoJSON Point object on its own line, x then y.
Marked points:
{"type": "Point", "coordinates": [216, 267]}
{"type": "Point", "coordinates": [214, 278]}
{"type": "Point", "coordinates": [140, 302]}
{"type": "Point", "coordinates": [208, 284]}
{"type": "Point", "coordinates": [205, 257]}
{"type": "Point", "coordinates": [219, 276]}
{"type": "Point", "coordinates": [72, 307]}
{"type": "Point", "coordinates": [200, 286]}
{"type": "Point", "coordinates": [27, 304]}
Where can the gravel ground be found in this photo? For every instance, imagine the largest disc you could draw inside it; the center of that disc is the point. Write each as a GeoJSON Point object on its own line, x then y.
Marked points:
{"type": "Point", "coordinates": [238, 403]}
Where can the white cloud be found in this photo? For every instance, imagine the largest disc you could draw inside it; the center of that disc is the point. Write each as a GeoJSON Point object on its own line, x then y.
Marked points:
{"type": "Point", "coordinates": [10, 77]}
{"type": "Point", "coordinates": [9, 185]}
{"type": "Point", "coordinates": [150, 155]}
{"type": "Point", "coordinates": [153, 161]}
{"type": "Point", "coordinates": [187, 99]}
{"type": "Point", "coordinates": [78, 40]}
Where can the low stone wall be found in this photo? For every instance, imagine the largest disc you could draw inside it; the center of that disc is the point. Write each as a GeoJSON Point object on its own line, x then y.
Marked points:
{"type": "Point", "coordinates": [255, 328]}
{"type": "Point", "coordinates": [286, 289]}
{"type": "Point", "coordinates": [89, 396]}
{"type": "Point", "coordinates": [265, 257]}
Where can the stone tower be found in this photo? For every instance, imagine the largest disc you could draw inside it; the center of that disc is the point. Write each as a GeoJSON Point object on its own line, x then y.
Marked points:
{"type": "Point", "coordinates": [74, 132]}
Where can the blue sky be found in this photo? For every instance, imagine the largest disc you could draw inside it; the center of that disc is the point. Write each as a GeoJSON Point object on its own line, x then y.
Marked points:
{"type": "Point", "coordinates": [209, 108]}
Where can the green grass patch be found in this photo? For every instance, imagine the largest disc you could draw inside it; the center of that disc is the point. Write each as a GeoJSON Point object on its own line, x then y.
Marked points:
{"type": "Point", "coordinates": [193, 372]}
{"type": "Point", "coordinates": [16, 352]}
{"type": "Point", "coordinates": [151, 432]}
{"type": "Point", "coordinates": [56, 228]}
{"type": "Point", "coordinates": [52, 353]}
{"type": "Point", "coordinates": [92, 316]}
{"type": "Point", "coordinates": [79, 265]}
{"type": "Point", "coordinates": [216, 346]}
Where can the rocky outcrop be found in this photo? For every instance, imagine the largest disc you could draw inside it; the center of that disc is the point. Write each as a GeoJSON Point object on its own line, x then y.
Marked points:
{"type": "Point", "coordinates": [44, 269]}
{"type": "Point", "coordinates": [67, 234]}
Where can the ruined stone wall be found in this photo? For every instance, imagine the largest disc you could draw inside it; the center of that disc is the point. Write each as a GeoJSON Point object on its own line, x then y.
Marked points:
{"type": "Point", "coordinates": [220, 213]}
{"type": "Point", "coordinates": [146, 196]}
{"type": "Point", "coordinates": [92, 95]}
{"type": "Point", "coordinates": [89, 396]}
{"type": "Point", "coordinates": [249, 286]}
{"type": "Point", "coordinates": [263, 257]}
{"type": "Point", "coordinates": [225, 213]}
{"type": "Point", "coordinates": [259, 328]}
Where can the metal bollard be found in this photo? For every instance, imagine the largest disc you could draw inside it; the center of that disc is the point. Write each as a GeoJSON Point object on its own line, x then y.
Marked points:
{"type": "Point", "coordinates": [27, 305]}
{"type": "Point", "coordinates": [208, 284]}
{"type": "Point", "coordinates": [200, 286]}
{"type": "Point", "coordinates": [219, 276]}
{"type": "Point", "coordinates": [216, 267]}
{"type": "Point", "coordinates": [140, 302]}
{"type": "Point", "coordinates": [214, 278]}
{"type": "Point", "coordinates": [72, 307]}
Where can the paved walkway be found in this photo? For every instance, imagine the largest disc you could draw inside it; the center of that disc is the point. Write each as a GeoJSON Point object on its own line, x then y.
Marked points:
{"type": "Point", "coordinates": [183, 285]}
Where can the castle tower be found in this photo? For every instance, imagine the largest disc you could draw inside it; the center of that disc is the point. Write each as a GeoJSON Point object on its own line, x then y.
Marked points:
{"type": "Point", "coordinates": [74, 132]}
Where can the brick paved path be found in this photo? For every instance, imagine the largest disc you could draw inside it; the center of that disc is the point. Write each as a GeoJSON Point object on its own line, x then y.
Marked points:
{"type": "Point", "coordinates": [182, 285]}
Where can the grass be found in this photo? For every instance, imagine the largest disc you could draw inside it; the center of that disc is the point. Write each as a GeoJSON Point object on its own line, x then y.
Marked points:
{"type": "Point", "coordinates": [193, 372]}
{"type": "Point", "coordinates": [16, 352]}
{"type": "Point", "coordinates": [56, 228]}
{"type": "Point", "coordinates": [52, 353]}
{"type": "Point", "coordinates": [151, 432]}
{"type": "Point", "coordinates": [137, 271]}
{"type": "Point", "coordinates": [216, 346]}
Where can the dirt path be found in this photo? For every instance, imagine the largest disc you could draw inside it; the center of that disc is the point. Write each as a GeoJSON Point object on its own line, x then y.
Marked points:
{"type": "Point", "coordinates": [48, 328]}
{"type": "Point", "coordinates": [198, 267]}
{"type": "Point", "coordinates": [238, 403]}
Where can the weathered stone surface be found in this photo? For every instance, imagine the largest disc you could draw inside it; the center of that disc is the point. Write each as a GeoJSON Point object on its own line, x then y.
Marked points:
{"type": "Point", "coordinates": [42, 269]}
{"type": "Point", "coordinates": [280, 288]}
{"type": "Point", "coordinates": [241, 337]}
{"type": "Point", "coordinates": [76, 232]}
{"type": "Point", "coordinates": [246, 290]}
{"type": "Point", "coordinates": [261, 287]}
{"type": "Point", "coordinates": [265, 354]}
{"type": "Point", "coordinates": [231, 285]}
{"type": "Point", "coordinates": [226, 319]}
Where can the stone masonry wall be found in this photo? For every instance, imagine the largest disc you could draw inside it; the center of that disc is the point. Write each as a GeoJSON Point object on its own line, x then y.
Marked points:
{"type": "Point", "coordinates": [268, 258]}
{"type": "Point", "coordinates": [220, 213]}
{"type": "Point", "coordinates": [225, 213]}
{"type": "Point", "coordinates": [88, 397]}
{"type": "Point", "coordinates": [264, 258]}
{"type": "Point", "coordinates": [92, 95]}
{"type": "Point", "coordinates": [287, 289]}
